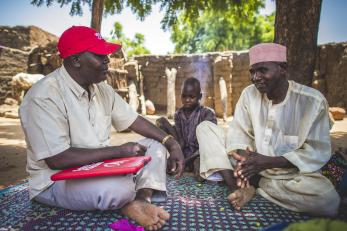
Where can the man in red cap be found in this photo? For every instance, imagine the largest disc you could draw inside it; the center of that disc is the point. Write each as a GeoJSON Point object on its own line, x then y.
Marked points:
{"type": "Point", "coordinates": [277, 141]}
{"type": "Point", "coordinates": [67, 118]}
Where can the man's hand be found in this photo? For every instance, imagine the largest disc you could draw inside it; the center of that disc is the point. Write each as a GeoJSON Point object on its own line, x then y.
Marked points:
{"type": "Point", "coordinates": [133, 149]}
{"type": "Point", "coordinates": [239, 156]}
{"type": "Point", "coordinates": [249, 164]}
{"type": "Point", "coordinates": [176, 160]}
{"type": "Point", "coordinates": [149, 130]}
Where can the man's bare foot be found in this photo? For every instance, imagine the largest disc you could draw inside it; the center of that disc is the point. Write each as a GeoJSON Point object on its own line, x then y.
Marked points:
{"type": "Point", "coordinates": [240, 197]}
{"type": "Point", "coordinates": [149, 216]}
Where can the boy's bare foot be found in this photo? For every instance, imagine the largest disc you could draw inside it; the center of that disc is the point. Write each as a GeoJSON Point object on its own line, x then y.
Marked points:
{"type": "Point", "coordinates": [149, 216]}
{"type": "Point", "coordinates": [240, 197]}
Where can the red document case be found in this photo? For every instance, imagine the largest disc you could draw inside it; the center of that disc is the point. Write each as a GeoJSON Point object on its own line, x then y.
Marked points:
{"type": "Point", "coordinates": [105, 168]}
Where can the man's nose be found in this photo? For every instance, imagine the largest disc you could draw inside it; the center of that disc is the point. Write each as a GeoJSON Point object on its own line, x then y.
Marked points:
{"type": "Point", "coordinates": [255, 76]}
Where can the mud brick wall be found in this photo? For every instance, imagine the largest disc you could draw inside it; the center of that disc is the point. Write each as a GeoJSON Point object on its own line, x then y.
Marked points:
{"type": "Point", "coordinates": [330, 75]}
{"type": "Point", "coordinates": [155, 84]}
{"type": "Point", "coordinates": [37, 54]}
{"type": "Point", "coordinates": [208, 68]}
{"type": "Point", "coordinates": [44, 59]}
{"type": "Point", "coordinates": [222, 68]}
{"type": "Point", "coordinates": [39, 60]}
{"type": "Point", "coordinates": [12, 61]}
{"type": "Point", "coordinates": [24, 38]}
{"type": "Point", "coordinates": [240, 73]}
{"type": "Point", "coordinates": [133, 71]}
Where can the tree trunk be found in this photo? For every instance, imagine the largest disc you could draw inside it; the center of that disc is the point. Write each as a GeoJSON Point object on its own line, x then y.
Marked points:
{"type": "Point", "coordinates": [296, 27]}
{"type": "Point", "coordinates": [97, 10]}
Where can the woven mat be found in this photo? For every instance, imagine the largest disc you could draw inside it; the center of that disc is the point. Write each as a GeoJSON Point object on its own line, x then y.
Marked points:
{"type": "Point", "coordinates": [192, 205]}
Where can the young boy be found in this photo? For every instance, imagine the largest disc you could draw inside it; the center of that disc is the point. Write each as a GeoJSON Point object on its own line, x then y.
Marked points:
{"type": "Point", "coordinates": [187, 118]}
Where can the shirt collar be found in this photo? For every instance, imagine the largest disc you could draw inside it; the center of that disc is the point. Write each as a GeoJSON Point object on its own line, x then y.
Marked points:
{"type": "Point", "coordinates": [191, 114]}
{"type": "Point", "coordinates": [74, 86]}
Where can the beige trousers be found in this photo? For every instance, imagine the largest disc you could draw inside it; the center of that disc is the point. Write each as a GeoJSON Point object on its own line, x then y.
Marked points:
{"type": "Point", "coordinates": [111, 192]}
{"type": "Point", "coordinates": [312, 192]}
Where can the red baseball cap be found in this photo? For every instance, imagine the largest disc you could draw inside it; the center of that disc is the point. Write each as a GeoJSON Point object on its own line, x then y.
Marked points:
{"type": "Point", "coordinates": [79, 39]}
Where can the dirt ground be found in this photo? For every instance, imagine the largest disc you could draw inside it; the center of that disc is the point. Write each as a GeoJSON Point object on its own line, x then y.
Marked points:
{"type": "Point", "coordinates": [13, 154]}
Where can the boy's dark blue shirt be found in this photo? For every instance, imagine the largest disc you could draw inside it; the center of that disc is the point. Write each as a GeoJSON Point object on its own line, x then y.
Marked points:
{"type": "Point", "coordinates": [186, 127]}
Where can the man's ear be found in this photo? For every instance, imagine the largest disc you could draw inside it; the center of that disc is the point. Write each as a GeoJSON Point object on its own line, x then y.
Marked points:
{"type": "Point", "coordinates": [75, 60]}
{"type": "Point", "coordinates": [283, 71]}
{"type": "Point", "coordinates": [283, 68]}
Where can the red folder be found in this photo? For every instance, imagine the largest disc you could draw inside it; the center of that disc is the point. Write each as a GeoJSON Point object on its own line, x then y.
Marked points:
{"type": "Point", "coordinates": [105, 168]}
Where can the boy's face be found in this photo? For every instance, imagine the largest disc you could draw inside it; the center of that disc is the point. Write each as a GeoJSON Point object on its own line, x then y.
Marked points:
{"type": "Point", "coordinates": [190, 96]}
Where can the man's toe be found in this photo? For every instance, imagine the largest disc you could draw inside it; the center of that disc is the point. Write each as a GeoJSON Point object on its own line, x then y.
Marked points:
{"type": "Point", "coordinates": [240, 201]}
{"type": "Point", "coordinates": [161, 222]}
{"type": "Point", "coordinates": [234, 204]}
{"type": "Point", "coordinates": [163, 214]}
{"type": "Point", "coordinates": [232, 196]}
{"type": "Point", "coordinates": [159, 225]}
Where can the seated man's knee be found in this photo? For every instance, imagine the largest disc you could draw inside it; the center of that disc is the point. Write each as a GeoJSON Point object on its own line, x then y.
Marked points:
{"type": "Point", "coordinates": [325, 203]}
{"type": "Point", "coordinates": [154, 148]}
{"type": "Point", "coordinates": [328, 204]}
{"type": "Point", "coordinates": [204, 126]}
{"type": "Point", "coordinates": [157, 150]}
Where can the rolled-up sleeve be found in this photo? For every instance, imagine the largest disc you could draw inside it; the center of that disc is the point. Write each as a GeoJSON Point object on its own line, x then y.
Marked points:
{"type": "Point", "coordinates": [46, 128]}
{"type": "Point", "coordinates": [122, 114]}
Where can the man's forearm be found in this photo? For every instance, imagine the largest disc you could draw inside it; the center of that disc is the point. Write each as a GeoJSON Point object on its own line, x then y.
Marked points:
{"type": "Point", "coordinates": [171, 130]}
{"type": "Point", "coordinates": [74, 157]}
{"type": "Point", "coordinates": [149, 130]}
